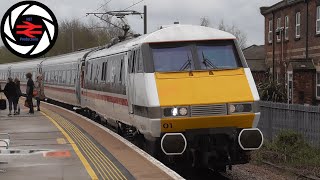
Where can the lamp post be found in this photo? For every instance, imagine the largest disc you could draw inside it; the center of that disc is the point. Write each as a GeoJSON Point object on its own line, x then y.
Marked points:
{"type": "Point", "coordinates": [280, 32]}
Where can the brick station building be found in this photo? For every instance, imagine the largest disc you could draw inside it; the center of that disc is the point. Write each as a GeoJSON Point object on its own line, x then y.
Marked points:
{"type": "Point", "coordinates": [292, 47]}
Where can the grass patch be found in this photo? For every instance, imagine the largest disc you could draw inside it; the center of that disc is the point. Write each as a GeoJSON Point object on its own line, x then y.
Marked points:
{"type": "Point", "coordinates": [290, 149]}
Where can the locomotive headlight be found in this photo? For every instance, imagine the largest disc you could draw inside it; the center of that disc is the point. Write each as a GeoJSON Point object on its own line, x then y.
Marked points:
{"type": "Point", "coordinates": [183, 111]}
{"type": "Point", "coordinates": [232, 108]}
{"type": "Point", "coordinates": [174, 111]}
{"type": "Point", "coordinates": [240, 108]}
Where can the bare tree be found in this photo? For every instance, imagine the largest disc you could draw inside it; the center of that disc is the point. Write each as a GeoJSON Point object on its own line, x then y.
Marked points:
{"type": "Point", "coordinates": [233, 29]}
{"type": "Point", "coordinates": [204, 21]}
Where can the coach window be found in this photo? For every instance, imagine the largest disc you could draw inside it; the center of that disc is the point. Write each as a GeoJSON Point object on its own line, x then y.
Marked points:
{"type": "Point", "coordinates": [51, 76]}
{"type": "Point", "coordinates": [57, 77]}
{"type": "Point", "coordinates": [64, 76]}
{"type": "Point", "coordinates": [132, 62]}
{"type": "Point", "coordinates": [104, 71]}
{"type": "Point", "coordinates": [73, 77]}
{"type": "Point", "coordinates": [68, 77]}
{"type": "Point", "coordinates": [121, 71]}
{"type": "Point", "coordinates": [60, 77]}
{"type": "Point", "coordinates": [139, 62]}
{"type": "Point", "coordinates": [91, 71]}
{"type": "Point", "coordinates": [55, 80]}
{"type": "Point", "coordinates": [48, 76]}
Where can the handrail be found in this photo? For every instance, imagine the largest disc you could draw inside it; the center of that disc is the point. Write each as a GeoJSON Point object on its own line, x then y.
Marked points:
{"type": "Point", "coordinates": [5, 142]}
{"type": "Point", "coordinates": [5, 134]}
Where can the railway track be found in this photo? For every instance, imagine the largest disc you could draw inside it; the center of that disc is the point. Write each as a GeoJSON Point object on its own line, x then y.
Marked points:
{"type": "Point", "coordinates": [203, 174]}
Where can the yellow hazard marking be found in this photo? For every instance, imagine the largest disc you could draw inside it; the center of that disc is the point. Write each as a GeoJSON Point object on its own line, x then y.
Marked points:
{"type": "Point", "coordinates": [93, 151]}
{"type": "Point", "coordinates": [61, 141]}
{"type": "Point", "coordinates": [75, 148]}
{"type": "Point", "coordinates": [103, 165]}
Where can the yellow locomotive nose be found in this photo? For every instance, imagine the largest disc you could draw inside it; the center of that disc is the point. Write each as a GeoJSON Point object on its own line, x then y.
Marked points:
{"type": "Point", "coordinates": [204, 91]}
{"type": "Point", "coordinates": [180, 88]}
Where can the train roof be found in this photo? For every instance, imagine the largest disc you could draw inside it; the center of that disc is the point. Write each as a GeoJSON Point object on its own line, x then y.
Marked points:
{"type": "Point", "coordinates": [173, 33]}
{"type": "Point", "coordinates": [66, 58]}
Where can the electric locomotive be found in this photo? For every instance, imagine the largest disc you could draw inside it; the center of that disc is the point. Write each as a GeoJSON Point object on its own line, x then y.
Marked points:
{"type": "Point", "coordinates": [185, 90]}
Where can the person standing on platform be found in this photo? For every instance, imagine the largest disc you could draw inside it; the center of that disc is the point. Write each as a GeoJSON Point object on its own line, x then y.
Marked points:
{"type": "Point", "coordinates": [10, 91]}
{"type": "Point", "coordinates": [29, 92]}
{"type": "Point", "coordinates": [39, 88]}
{"type": "Point", "coordinates": [19, 93]}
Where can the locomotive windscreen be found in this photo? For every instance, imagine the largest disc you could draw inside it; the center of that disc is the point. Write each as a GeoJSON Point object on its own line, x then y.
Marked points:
{"type": "Point", "coordinates": [208, 55]}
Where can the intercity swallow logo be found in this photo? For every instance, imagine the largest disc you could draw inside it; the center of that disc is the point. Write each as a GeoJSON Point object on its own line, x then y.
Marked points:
{"type": "Point", "coordinates": [29, 29]}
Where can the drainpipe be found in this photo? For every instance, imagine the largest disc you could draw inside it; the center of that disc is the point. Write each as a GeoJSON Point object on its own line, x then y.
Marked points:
{"type": "Point", "coordinates": [273, 46]}
{"type": "Point", "coordinates": [307, 30]}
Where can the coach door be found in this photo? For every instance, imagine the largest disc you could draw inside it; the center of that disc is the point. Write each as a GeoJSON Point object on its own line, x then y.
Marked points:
{"type": "Point", "coordinates": [130, 79]}
{"type": "Point", "coordinates": [78, 81]}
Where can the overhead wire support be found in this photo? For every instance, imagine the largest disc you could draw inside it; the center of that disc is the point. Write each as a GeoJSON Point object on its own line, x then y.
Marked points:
{"type": "Point", "coordinates": [121, 15]}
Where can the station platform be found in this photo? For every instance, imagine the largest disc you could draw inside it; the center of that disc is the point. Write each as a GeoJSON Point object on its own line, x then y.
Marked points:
{"type": "Point", "coordinates": [59, 144]}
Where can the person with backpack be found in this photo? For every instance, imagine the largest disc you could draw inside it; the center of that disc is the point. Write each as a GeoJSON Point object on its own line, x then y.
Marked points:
{"type": "Point", "coordinates": [19, 93]}
{"type": "Point", "coordinates": [10, 91]}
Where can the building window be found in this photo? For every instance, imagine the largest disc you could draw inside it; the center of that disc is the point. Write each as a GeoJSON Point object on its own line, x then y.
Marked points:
{"type": "Point", "coordinates": [270, 32]}
{"type": "Point", "coordinates": [278, 28]}
{"type": "Point", "coordinates": [318, 85]}
{"type": "Point", "coordinates": [318, 21]}
{"type": "Point", "coordinates": [298, 24]}
{"type": "Point", "coordinates": [286, 29]}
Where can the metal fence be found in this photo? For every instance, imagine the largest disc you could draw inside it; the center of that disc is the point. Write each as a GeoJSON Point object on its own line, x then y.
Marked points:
{"type": "Point", "coordinates": [303, 119]}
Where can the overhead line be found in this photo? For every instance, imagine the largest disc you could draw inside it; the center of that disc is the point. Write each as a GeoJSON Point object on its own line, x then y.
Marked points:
{"type": "Point", "coordinates": [133, 5]}
{"type": "Point", "coordinates": [102, 5]}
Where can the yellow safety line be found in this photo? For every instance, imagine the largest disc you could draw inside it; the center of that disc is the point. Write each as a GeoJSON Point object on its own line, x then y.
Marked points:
{"type": "Point", "coordinates": [90, 154]}
{"type": "Point", "coordinates": [96, 156]}
{"type": "Point", "coordinates": [107, 161]}
{"type": "Point", "coordinates": [91, 157]}
{"type": "Point", "coordinates": [93, 149]}
{"type": "Point", "coordinates": [75, 148]}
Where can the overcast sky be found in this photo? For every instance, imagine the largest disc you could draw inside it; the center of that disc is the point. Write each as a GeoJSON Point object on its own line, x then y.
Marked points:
{"type": "Point", "coordinates": [243, 13]}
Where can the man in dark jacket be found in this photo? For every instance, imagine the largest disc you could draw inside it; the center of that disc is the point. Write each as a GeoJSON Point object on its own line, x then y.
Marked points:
{"type": "Point", "coordinates": [29, 92]}
{"type": "Point", "coordinates": [10, 90]}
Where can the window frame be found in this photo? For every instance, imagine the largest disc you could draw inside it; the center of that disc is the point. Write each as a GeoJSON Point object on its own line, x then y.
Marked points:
{"type": "Point", "coordinates": [318, 20]}
{"type": "Point", "coordinates": [286, 27]}
{"type": "Point", "coordinates": [317, 85]}
{"type": "Point", "coordinates": [270, 33]}
{"type": "Point", "coordinates": [278, 28]}
{"type": "Point", "coordinates": [298, 25]}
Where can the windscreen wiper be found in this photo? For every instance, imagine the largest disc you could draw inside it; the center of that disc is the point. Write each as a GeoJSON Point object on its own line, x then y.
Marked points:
{"type": "Point", "coordinates": [186, 64]}
{"type": "Point", "coordinates": [207, 62]}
